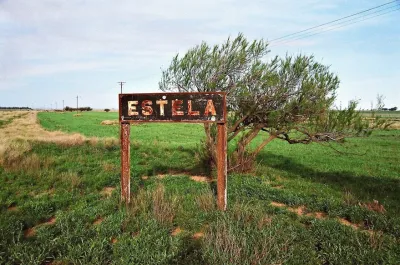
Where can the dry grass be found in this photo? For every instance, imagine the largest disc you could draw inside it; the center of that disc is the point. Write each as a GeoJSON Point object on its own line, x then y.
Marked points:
{"type": "Point", "coordinates": [206, 201]}
{"type": "Point", "coordinates": [164, 209]}
{"type": "Point", "coordinates": [110, 122]}
{"type": "Point", "coordinates": [72, 178]}
{"type": "Point", "coordinates": [25, 127]}
{"type": "Point", "coordinates": [107, 192]}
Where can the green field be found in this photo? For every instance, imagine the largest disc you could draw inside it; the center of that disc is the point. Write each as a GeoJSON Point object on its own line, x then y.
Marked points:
{"type": "Point", "coordinates": [302, 204]}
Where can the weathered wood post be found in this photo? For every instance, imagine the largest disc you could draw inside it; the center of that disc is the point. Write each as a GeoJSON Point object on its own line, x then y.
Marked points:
{"type": "Point", "coordinates": [125, 162]}
{"type": "Point", "coordinates": [222, 167]}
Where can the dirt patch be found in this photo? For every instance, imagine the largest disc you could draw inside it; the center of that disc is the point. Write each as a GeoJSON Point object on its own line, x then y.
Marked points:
{"type": "Point", "coordinates": [30, 232]}
{"type": "Point", "coordinates": [278, 204]}
{"type": "Point", "coordinates": [317, 215]}
{"type": "Point", "coordinates": [176, 231]}
{"type": "Point", "coordinates": [348, 223]}
{"type": "Point", "coordinates": [12, 208]}
{"type": "Point", "coordinates": [50, 221]}
{"type": "Point", "coordinates": [98, 221]}
{"type": "Point", "coordinates": [374, 206]}
{"type": "Point", "coordinates": [198, 235]}
{"type": "Point", "coordinates": [114, 240]}
{"type": "Point", "coordinates": [298, 210]}
{"type": "Point", "coordinates": [145, 177]}
{"type": "Point", "coordinates": [201, 179]}
{"type": "Point", "coordinates": [279, 187]}
{"type": "Point", "coordinates": [107, 191]}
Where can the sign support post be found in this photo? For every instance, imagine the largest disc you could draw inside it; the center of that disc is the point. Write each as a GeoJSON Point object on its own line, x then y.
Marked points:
{"type": "Point", "coordinates": [125, 163]}
{"type": "Point", "coordinates": [221, 167]}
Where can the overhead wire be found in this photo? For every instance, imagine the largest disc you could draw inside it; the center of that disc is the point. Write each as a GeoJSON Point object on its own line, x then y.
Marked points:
{"type": "Point", "coordinates": [332, 25]}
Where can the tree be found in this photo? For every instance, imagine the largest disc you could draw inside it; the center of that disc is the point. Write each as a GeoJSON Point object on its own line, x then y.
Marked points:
{"type": "Point", "coordinates": [380, 104]}
{"type": "Point", "coordinates": [289, 98]}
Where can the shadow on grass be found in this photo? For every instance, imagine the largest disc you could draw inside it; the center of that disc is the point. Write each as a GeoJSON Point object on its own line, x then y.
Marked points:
{"type": "Point", "coordinates": [364, 187]}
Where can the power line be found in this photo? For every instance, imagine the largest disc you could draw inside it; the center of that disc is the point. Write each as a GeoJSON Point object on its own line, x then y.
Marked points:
{"type": "Point", "coordinates": [357, 19]}
{"type": "Point", "coordinates": [337, 26]}
{"type": "Point", "coordinates": [337, 20]}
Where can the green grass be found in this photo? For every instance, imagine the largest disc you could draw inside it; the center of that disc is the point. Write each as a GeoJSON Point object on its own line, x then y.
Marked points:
{"type": "Point", "coordinates": [67, 183]}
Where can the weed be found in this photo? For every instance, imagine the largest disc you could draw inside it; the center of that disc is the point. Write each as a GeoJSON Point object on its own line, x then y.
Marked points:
{"type": "Point", "coordinates": [164, 208]}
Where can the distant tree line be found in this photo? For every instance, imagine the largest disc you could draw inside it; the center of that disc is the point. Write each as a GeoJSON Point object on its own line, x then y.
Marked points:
{"type": "Point", "coordinates": [16, 108]}
{"type": "Point", "coordinates": [79, 109]}
{"type": "Point", "coordinates": [391, 109]}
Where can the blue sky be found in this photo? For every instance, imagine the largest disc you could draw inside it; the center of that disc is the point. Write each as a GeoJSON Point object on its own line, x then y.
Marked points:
{"type": "Point", "coordinates": [54, 50]}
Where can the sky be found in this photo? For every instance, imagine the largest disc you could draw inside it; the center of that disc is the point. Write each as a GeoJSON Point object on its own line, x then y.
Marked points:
{"type": "Point", "coordinates": [55, 50]}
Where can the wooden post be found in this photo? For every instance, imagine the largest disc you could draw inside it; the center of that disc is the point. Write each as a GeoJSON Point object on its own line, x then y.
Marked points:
{"type": "Point", "coordinates": [222, 167]}
{"type": "Point", "coordinates": [125, 163]}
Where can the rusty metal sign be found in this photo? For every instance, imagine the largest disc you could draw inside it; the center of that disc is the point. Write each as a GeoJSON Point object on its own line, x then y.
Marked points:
{"type": "Point", "coordinates": [173, 107]}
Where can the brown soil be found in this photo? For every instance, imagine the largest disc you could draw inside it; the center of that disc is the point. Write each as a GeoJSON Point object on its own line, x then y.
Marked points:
{"type": "Point", "coordinates": [299, 210]}
{"type": "Point", "coordinates": [114, 240]}
{"type": "Point", "coordinates": [12, 208]}
{"type": "Point", "coordinates": [145, 177]}
{"type": "Point", "coordinates": [107, 191]}
{"type": "Point", "coordinates": [98, 221]}
{"type": "Point", "coordinates": [318, 215]}
{"type": "Point", "coordinates": [348, 223]}
{"type": "Point", "coordinates": [51, 221]}
{"type": "Point", "coordinates": [198, 235]}
{"type": "Point", "coordinates": [279, 187]}
{"type": "Point", "coordinates": [176, 231]}
{"type": "Point", "coordinates": [30, 232]}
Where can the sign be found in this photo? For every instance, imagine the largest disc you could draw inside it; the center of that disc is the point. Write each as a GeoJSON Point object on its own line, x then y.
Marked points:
{"type": "Point", "coordinates": [173, 107]}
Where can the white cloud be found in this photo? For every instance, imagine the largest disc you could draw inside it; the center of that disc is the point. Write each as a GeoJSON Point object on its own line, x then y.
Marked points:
{"type": "Point", "coordinates": [49, 37]}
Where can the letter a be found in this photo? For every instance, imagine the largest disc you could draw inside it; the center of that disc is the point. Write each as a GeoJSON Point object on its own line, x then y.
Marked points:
{"type": "Point", "coordinates": [210, 108]}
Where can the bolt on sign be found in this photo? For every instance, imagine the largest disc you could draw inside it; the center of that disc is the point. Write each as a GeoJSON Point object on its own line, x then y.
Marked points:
{"type": "Point", "coordinates": [174, 107]}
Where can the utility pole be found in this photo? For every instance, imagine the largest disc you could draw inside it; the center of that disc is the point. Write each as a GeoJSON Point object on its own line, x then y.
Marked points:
{"type": "Point", "coordinates": [77, 104]}
{"type": "Point", "coordinates": [121, 83]}
{"type": "Point", "coordinates": [63, 105]}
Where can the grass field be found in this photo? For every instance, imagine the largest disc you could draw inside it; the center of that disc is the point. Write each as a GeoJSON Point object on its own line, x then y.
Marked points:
{"type": "Point", "coordinates": [302, 204]}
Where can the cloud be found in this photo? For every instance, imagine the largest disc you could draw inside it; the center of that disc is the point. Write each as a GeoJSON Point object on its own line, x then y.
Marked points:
{"type": "Point", "coordinates": [131, 40]}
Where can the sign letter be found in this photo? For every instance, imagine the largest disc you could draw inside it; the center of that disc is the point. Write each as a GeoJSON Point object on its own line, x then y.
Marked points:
{"type": "Point", "coordinates": [176, 108]}
{"type": "Point", "coordinates": [132, 108]}
{"type": "Point", "coordinates": [162, 103]}
{"type": "Point", "coordinates": [147, 110]}
{"type": "Point", "coordinates": [190, 111]}
{"type": "Point", "coordinates": [210, 108]}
